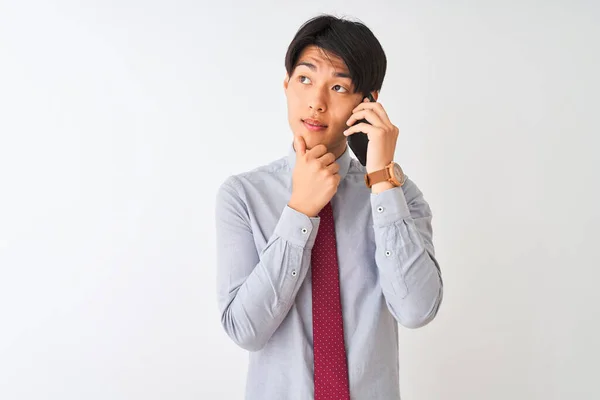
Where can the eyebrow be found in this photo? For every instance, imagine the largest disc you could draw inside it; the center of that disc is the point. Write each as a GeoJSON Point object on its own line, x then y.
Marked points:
{"type": "Point", "coordinates": [313, 67]}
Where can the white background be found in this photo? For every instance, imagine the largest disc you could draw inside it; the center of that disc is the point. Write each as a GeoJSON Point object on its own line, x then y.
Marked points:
{"type": "Point", "coordinates": [119, 119]}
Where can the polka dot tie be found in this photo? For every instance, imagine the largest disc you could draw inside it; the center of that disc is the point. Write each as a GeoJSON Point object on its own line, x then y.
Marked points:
{"type": "Point", "coordinates": [331, 369]}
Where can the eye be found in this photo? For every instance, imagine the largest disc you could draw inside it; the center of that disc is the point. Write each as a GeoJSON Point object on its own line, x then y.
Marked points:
{"type": "Point", "coordinates": [338, 87]}
{"type": "Point", "coordinates": [301, 78]}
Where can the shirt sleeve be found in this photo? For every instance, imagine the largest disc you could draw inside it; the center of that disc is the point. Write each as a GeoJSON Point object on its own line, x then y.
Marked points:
{"type": "Point", "coordinates": [256, 291]}
{"type": "Point", "coordinates": [410, 275]}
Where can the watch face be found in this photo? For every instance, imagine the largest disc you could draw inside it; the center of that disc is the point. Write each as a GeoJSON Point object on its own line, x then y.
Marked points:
{"type": "Point", "coordinates": [398, 174]}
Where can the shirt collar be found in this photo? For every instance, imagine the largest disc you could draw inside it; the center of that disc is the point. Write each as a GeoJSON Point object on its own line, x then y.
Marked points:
{"type": "Point", "coordinates": [343, 160]}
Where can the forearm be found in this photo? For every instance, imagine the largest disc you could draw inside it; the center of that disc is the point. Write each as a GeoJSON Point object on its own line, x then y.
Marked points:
{"type": "Point", "coordinates": [255, 302]}
{"type": "Point", "coordinates": [409, 273]}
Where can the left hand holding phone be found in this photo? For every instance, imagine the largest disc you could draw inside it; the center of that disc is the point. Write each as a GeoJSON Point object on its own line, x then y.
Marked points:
{"type": "Point", "coordinates": [382, 134]}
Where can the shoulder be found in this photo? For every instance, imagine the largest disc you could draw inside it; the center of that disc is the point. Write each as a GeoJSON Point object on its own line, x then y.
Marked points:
{"type": "Point", "coordinates": [264, 175]}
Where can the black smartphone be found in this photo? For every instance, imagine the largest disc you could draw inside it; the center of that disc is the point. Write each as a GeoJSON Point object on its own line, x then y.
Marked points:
{"type": "Point", "coordinates": [359, 141]}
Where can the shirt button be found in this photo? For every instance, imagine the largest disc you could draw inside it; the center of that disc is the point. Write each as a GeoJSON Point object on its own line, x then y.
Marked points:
{"type": "Point", "coordinates": [379, 209]}
{"type": "Point", "coordinates": [304, 230]}
{"type": "Point", "coordinates": [294, 273]}
{"type": "Point", "coordinates": [388, 253]}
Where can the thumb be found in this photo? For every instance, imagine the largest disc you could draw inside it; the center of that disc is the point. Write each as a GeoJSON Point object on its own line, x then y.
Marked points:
{"type": "Point", "coordinates": [299, 145]}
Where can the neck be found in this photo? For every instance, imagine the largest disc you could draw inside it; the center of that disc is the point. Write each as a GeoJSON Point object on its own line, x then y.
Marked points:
{"type": "Point", "coordinates": [338, 150]}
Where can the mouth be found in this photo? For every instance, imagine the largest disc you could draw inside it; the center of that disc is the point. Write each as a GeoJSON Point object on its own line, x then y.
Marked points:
{"type": "Point", "coordinates": [313, 124]}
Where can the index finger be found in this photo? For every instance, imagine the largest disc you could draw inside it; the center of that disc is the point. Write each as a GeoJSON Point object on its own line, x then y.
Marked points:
{"type": "Point", "coordinates": [299, 146]}
{"type": "Point", "coordinates": [317, 151]}
{"type": "Point", "coordinates": [376, 107]}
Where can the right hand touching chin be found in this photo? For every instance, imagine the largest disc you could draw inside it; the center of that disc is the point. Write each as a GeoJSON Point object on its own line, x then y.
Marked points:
{"type": "Point", "coordinates": [315, 178]}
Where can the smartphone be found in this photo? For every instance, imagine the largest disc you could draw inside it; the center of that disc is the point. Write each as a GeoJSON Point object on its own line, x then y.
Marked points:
{"type": "Point", "coordinates": [359, 141]}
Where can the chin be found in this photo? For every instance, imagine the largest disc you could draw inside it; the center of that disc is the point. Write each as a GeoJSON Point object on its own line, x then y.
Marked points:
{"type": "Point", "coordinates": [315, 138]}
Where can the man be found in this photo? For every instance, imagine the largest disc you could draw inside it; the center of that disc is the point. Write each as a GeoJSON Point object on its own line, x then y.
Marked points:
{"type": "Point", "coordinates": [320, 257]}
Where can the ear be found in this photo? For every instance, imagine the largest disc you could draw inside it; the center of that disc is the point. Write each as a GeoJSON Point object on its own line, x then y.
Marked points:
{"type": "Point", "coordinates": [375, 94]}
{"type": "Point", "coordinates": [286, 81]}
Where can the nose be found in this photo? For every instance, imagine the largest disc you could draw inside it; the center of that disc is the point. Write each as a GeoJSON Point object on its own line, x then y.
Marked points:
{"type": "Point", "coordinates": [317, 103]}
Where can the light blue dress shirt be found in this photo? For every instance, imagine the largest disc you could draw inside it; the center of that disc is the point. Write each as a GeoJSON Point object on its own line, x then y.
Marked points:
{"type": "Point", "coordinates": [388, 276]}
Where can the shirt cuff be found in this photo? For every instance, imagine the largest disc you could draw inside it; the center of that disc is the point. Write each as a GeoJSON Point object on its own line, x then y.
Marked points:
{"type": "Point", "coordinates": [389, 206]}
{"type": "Point", "coordinates": [297, 228]}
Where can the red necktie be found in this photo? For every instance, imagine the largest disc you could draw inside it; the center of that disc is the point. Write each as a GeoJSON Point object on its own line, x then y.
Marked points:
{"type": "Point", "coordinates": [331, 369]}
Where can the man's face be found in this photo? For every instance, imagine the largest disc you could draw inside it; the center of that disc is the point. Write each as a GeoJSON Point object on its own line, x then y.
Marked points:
{"type": "Point", "coordinates": [320, 99]}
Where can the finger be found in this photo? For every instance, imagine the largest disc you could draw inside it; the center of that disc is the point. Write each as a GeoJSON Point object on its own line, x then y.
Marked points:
{"type": "Point", "coordinates": [327, 159]}
{"type": "Point", "coordinates": [333, 168]}
{"type": "Point", "coordinates": [299, 146]}
{"type": "Point", "coordinates": [369, 115]}
{"type": "Point", "coordinates": [338, 179]}
{"type": "Point", "coordinates": [362, 127]}
{"type": "Point", "coordinates": [317, 151]}
{"type": "Point", "coordinates": [376, 107]}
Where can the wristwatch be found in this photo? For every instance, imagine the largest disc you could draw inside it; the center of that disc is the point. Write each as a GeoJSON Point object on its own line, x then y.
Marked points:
{"type": "Point", "coordinates": [392, 173]}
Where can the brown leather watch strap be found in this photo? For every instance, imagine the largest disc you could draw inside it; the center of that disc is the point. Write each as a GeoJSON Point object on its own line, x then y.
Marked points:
{"type": "Point", "coordinates": [378, 176]}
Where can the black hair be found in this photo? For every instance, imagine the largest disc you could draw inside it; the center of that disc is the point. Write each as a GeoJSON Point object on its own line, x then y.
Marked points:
{"type": "Point", "coordinates": [351, 41]}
